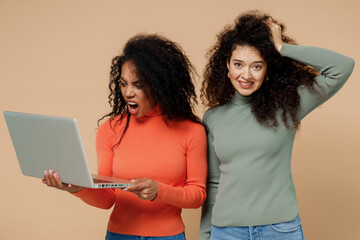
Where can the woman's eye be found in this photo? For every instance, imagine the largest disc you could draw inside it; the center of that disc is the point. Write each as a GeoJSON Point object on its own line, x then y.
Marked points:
{"type": "Point", "coordinates": [122, 84]}
{"type": "Point", "coordinates": [237, 64]}
{"type": "Point", "coordinates": [257, 67]}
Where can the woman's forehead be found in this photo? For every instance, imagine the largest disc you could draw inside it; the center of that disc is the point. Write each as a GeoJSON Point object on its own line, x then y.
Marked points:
{"type": "Point", "coordinates": [129, 72]}
{"type": "Point", "coordinates": [246, 53]}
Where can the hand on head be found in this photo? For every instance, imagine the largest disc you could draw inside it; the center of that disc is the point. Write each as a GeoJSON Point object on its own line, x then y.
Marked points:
{"type": "Point", "coordinates": [144, 188]}
{"type": "Point", "coordinates": [52, 179]}
{"type": "Point", "coordinates": [276, 33]}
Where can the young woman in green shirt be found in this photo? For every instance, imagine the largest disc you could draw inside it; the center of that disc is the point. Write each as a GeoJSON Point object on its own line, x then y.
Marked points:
{"type": "Point", "coordinates": [259, 85]}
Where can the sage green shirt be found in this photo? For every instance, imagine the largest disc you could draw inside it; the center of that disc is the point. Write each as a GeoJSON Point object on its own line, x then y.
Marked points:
{"type": "Point", "coordinates": [249, 178]}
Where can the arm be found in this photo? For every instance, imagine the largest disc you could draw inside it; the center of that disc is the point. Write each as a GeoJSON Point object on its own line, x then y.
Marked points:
{"type": "Point", "coordinates": [335, 70]}
{"type": "Point", "coordinates": [101, 198]}
{"type": "Point", "coordinates": [193, 194]}
{"type": "Point", "coordinates": [212, 186]}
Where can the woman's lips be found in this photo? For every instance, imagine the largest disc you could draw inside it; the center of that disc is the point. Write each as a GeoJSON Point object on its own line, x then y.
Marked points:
{"type": "Point", "coordinates": [245, 85]}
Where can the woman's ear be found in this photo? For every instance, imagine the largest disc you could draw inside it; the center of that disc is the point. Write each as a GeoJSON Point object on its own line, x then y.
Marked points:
{"type": "Point", "coordinates": [228, 67]}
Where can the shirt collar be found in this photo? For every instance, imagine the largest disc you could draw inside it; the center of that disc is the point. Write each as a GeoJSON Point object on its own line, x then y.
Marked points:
{"type": "Point", "coordinates": [239, 99]}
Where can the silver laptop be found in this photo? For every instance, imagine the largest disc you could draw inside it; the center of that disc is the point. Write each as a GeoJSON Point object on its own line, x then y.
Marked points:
{"type": "Point", "coordinates": [45, 142]}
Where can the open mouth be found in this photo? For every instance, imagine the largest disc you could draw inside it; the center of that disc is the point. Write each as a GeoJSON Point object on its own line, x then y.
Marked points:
{"type": "Point", "coordinates": [133, 107]}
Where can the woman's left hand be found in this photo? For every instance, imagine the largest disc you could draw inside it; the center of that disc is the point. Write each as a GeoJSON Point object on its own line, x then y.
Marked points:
{"type": "Point", "coordinates": [144, 188]}
{"type": "Point", "coordinates": [276, 34]}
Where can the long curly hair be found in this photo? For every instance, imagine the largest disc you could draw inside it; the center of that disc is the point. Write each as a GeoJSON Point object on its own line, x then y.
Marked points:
{"type": "Point", "coordinates": [284, 74]}
{"type": "Point", "coordinates": [167, 73]}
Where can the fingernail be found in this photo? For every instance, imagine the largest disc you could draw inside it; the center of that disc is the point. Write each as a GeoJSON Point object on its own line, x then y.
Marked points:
{"type": "Point", "coordinates": [125, 189]}
{"type": "Point", "coordinates": [133, 180]}
{"type": "Point", "coordinates": [50, 171]}
{"type": "Point", "coordinates": [55, 175]}
{"type": "Point", "coordinates": [45, 172]}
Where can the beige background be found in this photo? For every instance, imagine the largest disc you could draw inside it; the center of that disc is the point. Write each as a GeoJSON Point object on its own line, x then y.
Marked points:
{"type": "Point", "coordinates": [55, 59]}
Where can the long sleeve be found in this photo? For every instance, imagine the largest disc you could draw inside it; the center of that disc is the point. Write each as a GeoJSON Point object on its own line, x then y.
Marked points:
{"type": "Point", "coordinates": [193, 194]}
{"type": "Point", "coordinates": [212, 184]}
{"type": "Point", "coordinates": [335, 70]}
{"type": "Point", "coordinates": [101, 198]}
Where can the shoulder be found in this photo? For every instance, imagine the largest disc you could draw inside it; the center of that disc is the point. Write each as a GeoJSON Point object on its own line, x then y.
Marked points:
{"type": "Point", "coordinates": [191, 126]}
{"type": "Point", "coordinates": [213, 113]}
{"type": "Point", "coordinates": [188, 132]}
{"type": "Point", "coordinates": [108, 128]}
{"type": "Point", "coordinates": [193, 133]}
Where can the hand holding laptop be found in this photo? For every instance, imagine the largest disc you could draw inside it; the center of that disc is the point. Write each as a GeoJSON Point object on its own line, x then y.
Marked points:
{"type": "Point", "coordinates": [52, 179]}
{"type": "Point", "coordinates": [144, 188]}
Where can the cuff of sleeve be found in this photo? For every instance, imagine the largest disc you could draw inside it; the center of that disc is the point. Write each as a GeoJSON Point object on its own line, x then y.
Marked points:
{"type": "Point", "coordinates": [81, 193]}
{"type": "Point", "coordinates": [285, 49]}
{"type": "Point", "coordinates": [161, 193]}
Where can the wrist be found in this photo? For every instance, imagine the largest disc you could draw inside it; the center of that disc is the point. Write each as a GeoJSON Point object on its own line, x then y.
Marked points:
{"type": "Point", "coordinates": [73, 189]}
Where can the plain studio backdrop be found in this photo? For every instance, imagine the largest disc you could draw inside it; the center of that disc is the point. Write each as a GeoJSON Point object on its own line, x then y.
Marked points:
{"type": "Point", "coordinates": [55, 59]}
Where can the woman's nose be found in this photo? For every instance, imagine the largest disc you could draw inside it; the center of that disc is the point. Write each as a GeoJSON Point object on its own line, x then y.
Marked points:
{"type": "Point", "coordinates": [129, 91]}
{"type": "Point", "coordinates": [246, 74]}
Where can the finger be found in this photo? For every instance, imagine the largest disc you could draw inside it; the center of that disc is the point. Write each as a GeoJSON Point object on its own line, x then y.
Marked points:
{"type": "Point", "coordinates": [270, 22]}
{"type": "Point", "coordinates": [46, 177]}
{"type": "Point", "coordinates": [149, 196]}
{"type": "Point", "coordinates": [133, 181]}
{"type": "Point", "coordinates": [273, 25]}
{"type": "Point", "coordinates": [51, 178]}
{"type": "Point", "coordinates": [138, 186]}
{"type": "Point", "coordinates": [145, 196]}
{"type": "Point", "coordinates": [58, 182]}
{"type": "Point", "coordinates": [149, 191]}
{"type": "Point", "coordinates": [139, 180]}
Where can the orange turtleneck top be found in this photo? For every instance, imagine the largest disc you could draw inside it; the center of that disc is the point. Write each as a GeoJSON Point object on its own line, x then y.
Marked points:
{"type": "Point", "coordinates": [172, 154]}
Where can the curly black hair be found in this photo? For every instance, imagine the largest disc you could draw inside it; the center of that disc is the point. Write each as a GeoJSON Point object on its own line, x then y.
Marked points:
{"type": "Point", "coordinates": [285, 75]}
{"type": "Point", "coordinates": [167, 72]}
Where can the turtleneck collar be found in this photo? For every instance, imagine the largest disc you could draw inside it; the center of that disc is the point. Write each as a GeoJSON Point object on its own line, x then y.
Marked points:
{"type": "Point", "coordinates": [239, 99]}
{"type": "Point", "coordinates": [154, 112]}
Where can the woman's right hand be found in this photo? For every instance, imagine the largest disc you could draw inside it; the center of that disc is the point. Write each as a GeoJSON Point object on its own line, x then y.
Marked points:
{"type": "Point", "coordinates": [276, 33]}
{"type": "Point", "coordinates": [52, 179]}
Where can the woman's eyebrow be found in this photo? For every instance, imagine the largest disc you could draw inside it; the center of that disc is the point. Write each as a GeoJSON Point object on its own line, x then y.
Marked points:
{"type": "Point", "coordinates": [238, 60]}
{"type": "Point", "coordinates": [121, 78]}
{"type": "Point", "coordinates": [134, 82]}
